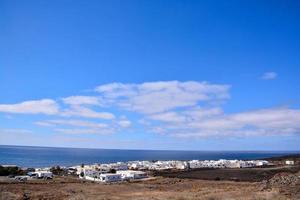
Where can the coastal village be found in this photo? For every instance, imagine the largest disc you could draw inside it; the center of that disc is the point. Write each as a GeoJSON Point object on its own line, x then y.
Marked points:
{"type": "Point", "coordinates": [132, 170]}
{"type": "Point", "coordinates": [138, 169]}
{"type": "Point", "coordinates": [156, 179]}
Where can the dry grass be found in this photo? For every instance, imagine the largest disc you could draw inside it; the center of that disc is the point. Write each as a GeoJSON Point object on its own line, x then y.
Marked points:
{"type": "Point", "coordinates": [158, 189]}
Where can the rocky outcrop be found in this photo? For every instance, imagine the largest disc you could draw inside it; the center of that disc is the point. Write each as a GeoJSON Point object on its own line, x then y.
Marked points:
{"type": "Point", "coordinates": [286, 183]}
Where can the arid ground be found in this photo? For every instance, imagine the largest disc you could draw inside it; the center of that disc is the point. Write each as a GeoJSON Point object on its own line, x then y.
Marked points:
{"type": "Point", "coordinates": [272, 183]}
{"type": "Point", "coordinates": [158, 188]}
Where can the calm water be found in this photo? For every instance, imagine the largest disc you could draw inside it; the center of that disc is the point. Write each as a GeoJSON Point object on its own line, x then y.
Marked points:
{"type": "Point", "coordinates": [50, 156]}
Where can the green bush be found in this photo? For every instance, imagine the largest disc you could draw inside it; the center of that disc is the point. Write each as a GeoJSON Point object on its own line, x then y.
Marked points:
{"type": "Point", "coordinates": [6, 171]}
{"type": "Point", "coordinates": [58, 171]}
{"type": "Point", "coordinates": [81, 174]}
{"type": "Point", "coordinates": [113, 171]}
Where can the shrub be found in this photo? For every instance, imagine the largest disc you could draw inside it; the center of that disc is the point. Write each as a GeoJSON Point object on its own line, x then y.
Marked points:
{"type": "Point", "coordinates": [81, 174]}
{"type": "Point", "coordinates": [57, 170]}
{"type": "Point", "coordinates": [6, 171]}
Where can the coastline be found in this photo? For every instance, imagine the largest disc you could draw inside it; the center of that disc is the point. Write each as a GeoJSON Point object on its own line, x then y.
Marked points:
{"type": "Point", "coordinates": [25, 156]}
{"type": "Point", "coordinates": [277, 182]}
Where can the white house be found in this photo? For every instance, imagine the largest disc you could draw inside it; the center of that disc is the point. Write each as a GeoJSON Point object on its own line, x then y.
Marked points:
{"type": "Point", "coordinates": [130, 174]}
{"type": "Point", "coordinates": [135, 166]}
{"type": "Point", "coordinates": [41, 174]}
{"type": "Point", "coordinates": [289, 162]}
{"type": "Point", "coordinates": [91, 173]}
{"type": "Point", "coordinates": [195, 164]}
{"type": "Point", "coordinates": [180, 165]}
{"type": "Point", "coordinates": [108, 178]}
{"type": "Point", "coordinates": [261, 162]}
{"type": "Point", "coordinates": [116, 166]}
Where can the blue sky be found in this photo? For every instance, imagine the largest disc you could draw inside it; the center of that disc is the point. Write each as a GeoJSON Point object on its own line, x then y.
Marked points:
{"type": "Point", "coordinates": [193, 75]}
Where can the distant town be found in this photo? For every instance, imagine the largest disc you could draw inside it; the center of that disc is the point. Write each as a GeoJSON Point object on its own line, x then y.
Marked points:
{"type": "Point", "coordinates": [124, 171]}
{"type": "Point", "coordinates": [142, 178]}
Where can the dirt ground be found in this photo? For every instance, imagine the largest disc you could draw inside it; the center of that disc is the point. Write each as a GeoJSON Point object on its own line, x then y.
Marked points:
{"type": "Point", "coordinates": [157, 189]}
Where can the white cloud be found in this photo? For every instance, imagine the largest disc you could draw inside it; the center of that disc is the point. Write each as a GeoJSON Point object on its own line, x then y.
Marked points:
{"type": "Point", "coordinates": [156, 97]}
{"type": "Point", "coordinates": [281, 118]}
{"type": "Point", "coordinates": [71, 126]}
{"type": "Point", "coordinates": [198, 113]}
{"type": "Point", "coordinates": [82, 100]}
{"type": "Point", "coordinates": [168, 117]}
{"type": "Point", "coordinates": [187, 115]}
{"type": "Point", "coordinates": [124, 123]}
{"type": "Point", "coordinates": [15, 131]}
{"type": "Point", "coordinates": [269, 76]}
{"type": "Point", "coordinates": [43, 106]}
{"type": "Point", "coordinates": [275, 121]}
{"type": "Point", "coordinates": [80, 111]}
{"type": "Point", "coordinates": [79, 123]}
{"type": "Point", "coordinates": [85, 131]}
{"type": "Point", "coordinates": [183, 109]}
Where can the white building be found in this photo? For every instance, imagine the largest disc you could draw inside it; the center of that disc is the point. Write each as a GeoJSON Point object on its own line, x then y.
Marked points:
{"type": "Point", "coordinates": [130, 174]}
{"type": "Point", "coordinates": [41, 174]}
{"type": "Point", "coordinates": [261, 162]}
{"type": "Point", "coordinates": [135, 165]}
{"type": "Point", "coordinates": [91, 173]}
{"type": "Point", "coordinates": [116, 166]}
{"type": "Point", "coordinates": [108, 178]}
{"type": "Point", "coordinates": [193, 164]}
{"type": "Point", "coordinates": [289, 162]}
{"type": "Point", "coordinates": [181, 165]}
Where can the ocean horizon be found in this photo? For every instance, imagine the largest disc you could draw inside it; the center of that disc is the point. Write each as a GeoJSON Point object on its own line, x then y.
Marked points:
{"type": "Point", "coordinates": [35, 156]}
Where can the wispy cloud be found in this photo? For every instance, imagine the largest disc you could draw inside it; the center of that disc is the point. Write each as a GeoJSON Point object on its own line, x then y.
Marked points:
{"type": "Point", "coordinates": [168, 117]}
{"type": "Point", "coordinates": [269, 76]}
{"type": "Point", "coordinates": [43, 106]}
{"type": "Point", "coordinates": [273, 121]}
{"type": "Point", "coordinates": [82, 100]}
{"type": "Point", "coordinates": [79, 123]}
{"type": "Point", "coordinates": [124, 123]}
{"type": "Point", "coordinates": [80, 111]}
{"type": "Point", "coordinates": [156, 97]}
{"type": "Point", "coordinates": [85, 131]}
{"type": "Point", "coordinates": [78, 107]}
{"type": "Point", "coordinates": [83, 126]}
{"type": "Point", "coordinates": [13, 131]}
{"type": "Point", "coordinates": [174, 108]}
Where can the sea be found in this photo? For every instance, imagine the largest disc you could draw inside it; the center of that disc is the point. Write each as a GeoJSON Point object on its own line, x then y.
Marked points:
{"type": "Point", "coordinates": [29, 156]}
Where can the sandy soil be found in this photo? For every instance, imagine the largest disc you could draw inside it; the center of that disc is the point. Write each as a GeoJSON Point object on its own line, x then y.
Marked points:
{"type": "Point", "coordinates": [157, 189]}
